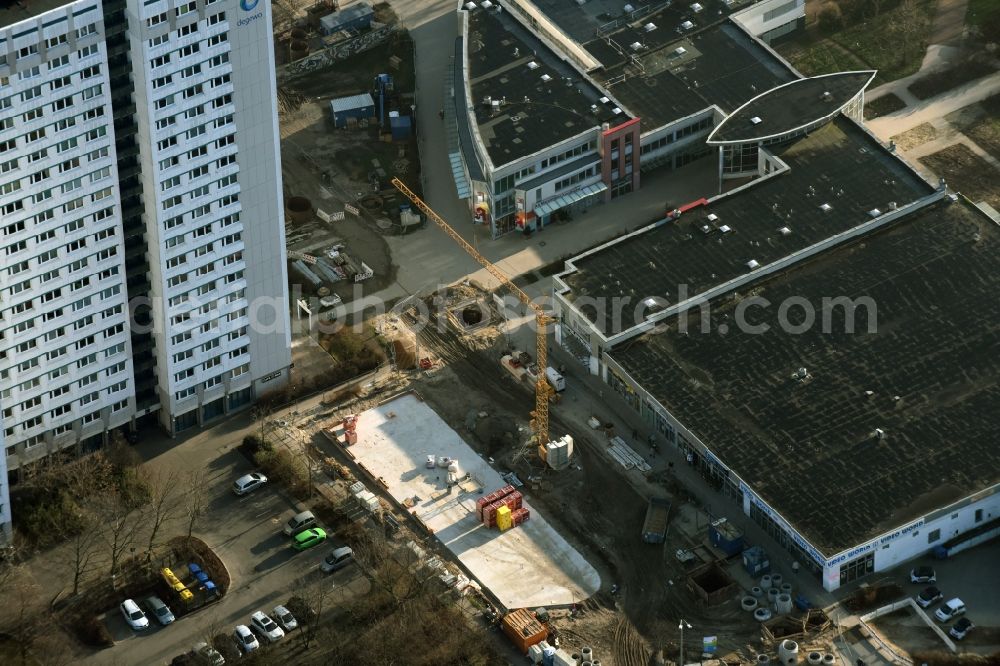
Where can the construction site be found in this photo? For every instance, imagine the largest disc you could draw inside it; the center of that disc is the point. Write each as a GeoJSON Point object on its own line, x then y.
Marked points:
{"type": "Point", "coordinates": [344, 134]}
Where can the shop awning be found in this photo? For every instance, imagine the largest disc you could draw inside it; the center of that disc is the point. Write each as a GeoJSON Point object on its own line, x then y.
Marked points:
{"type": "Point", "coordinates": [458, 173]}
{"type": "Point", "coordinates": [553, 205]}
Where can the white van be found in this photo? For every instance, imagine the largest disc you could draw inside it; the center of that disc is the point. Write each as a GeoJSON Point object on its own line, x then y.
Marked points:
{"type": "Point", "coordinates": [950, 609]}
{"type": "Point", "coordinates": [300, 521]}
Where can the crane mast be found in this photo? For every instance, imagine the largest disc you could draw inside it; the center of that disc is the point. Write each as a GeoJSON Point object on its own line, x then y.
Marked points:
{"type": "Point", "coordinates": [539, 417]}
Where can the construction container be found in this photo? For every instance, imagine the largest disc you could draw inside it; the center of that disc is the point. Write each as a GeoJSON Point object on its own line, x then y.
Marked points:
{"type": "Point", "coordinates": [520, 516]}
{"type": "Point", "coordinates": [356, 487]}
{"type": "Point", "coordinates": [726, 537]}
{"type": "Point", "coordinates": [523, 629]}
{"type": "Point", "coordinates": [654, 527]}
{"type": "Point", "coordinates": [755, 561]}
{"type": "Point", "coordinates": [503, 518]}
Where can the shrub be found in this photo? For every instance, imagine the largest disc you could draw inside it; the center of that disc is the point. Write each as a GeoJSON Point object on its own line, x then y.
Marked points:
{"type": "Point", "coordinates": [91, 631]}
{"type": "Point", "coordinates": [829, 18]}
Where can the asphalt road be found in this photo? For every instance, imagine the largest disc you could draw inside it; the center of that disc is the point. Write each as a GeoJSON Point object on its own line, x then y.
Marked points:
{"type": "Point", "coordinates": [246, 533]}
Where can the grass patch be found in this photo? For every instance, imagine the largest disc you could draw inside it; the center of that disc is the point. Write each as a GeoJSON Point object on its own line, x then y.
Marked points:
{"type": "Point", "coordinates": [966, 172]}
{"type": "Point", "coordinates": [883, 106]}
{"type": "Point", "coordinates": [947, 79]}
{"type": "Point", "coordinates": [894, 43]}
{"type": "Point", "coordinates": [917, 136]}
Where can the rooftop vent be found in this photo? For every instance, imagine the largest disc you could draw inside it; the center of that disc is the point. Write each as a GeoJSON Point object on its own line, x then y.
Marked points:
{"type": "Point", "coordinates": [825, 207]}
{"type": "Point", "coordinates": [679, 51]}
{"type": "Point", "coordinates": [696, 8]}
{"type": "Point", "coordinates": [725, 228]}
{"type": "Point", "coordinates": [711, 217]}
{"type": "Point", "coordinates": [604, 100]}
{"type": "Point", "coordinates": [827, 97]}
{"type": "Point", "coordinates": [594, 108]}
{"type": "Point", "coordinates": [487, 4]}
{"type": "Point", "coordinates": [752, 264]}
{"type": "Point", "coordinates": [785, 231]}
{"type": "Point", "coordinates": [687, 25]}
{"type": "Point", "coordinates": [628, 8]}
{"type": "Point", "coordinates": [616, 111]}
{"type": "Point", "coordinates": [546, 78]}
{"type": "Point", "coordinates": [874, 212]}
{"type": "Point", "coordinates": [800, 374]}
{"type": "Point", "coordinates": [756, 120]}
{"type": "Point", "coordinates": [706, 229]}
{"type": "Point", "coordinates": [649, 27]}
{"type": "Point", "coordinates": [532, 65]}
{"type": "Point", "coordinates": [470, 6]}
{"type": "Point", "coordinates": [636, 46]}
{"type": "Point", "coordinates": [878, 433]}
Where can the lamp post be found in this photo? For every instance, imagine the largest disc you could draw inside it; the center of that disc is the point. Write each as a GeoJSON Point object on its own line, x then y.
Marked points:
{"type": "Point", "coordinates": [682, 625]}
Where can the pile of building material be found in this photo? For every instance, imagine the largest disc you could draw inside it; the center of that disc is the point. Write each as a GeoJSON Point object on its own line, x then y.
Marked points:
{"type": "Point", "coordinates": [365, 498]}
{"type": "Point", "coordinates": [626, 456]}
{"type": "Point", "coordinates": [344, 433]}
{"type": "Point", "coordinates": [502, 509]}
{"type": "Point", "coordinates": [559, 452]}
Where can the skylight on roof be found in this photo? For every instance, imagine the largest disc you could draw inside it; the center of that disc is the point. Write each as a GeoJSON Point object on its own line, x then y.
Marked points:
{"type": "Point", "coordinates": [546, 78]}
{"type": "Point", "coordinates": [755, 120]}
{"type": "Point", "coordinates": [532, 65]}
{"type": "Point", "coordinates": [649, 27]}
{"type": "Point", "coordinates": [687, 25]}
{"type": "Point", "coordinates": [696, 8]}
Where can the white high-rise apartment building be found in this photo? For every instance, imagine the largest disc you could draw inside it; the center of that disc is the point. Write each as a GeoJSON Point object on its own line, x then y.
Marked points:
{"type": "Point", "coordinates": [139, 168]}
{"type": "Point", "coordinates": [65, 358]}
{"type": "Point", "coordinates": [207, 129]}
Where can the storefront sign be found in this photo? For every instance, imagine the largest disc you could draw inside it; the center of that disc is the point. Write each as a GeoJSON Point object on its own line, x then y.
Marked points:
{"type": "Point", "coordinates": [881, 541]}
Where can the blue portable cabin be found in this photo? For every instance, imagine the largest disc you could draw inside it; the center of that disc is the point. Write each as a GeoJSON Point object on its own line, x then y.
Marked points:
{"type": "Point", "coordinates": [356, 106]}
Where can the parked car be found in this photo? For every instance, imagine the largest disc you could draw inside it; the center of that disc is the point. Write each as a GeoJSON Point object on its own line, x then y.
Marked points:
{"type": "Point", "coordinates": [337, 559]}
{"type": "Point", "coordinates": [285, 618]}
{"type": "Point", "coordinates": [923, 575]}
{"type": "Point", "coordinates": [300, 521]}
{"type": "Point", "coordinates": [207, 654]}
{"type": "Point", "coordinates": [961, 628]}
{"type": "Point", "coordinates": [134, 615]}
{"type": "Point", "coordinates": [309, 538]}
{"type": "Point", "coordinates": [950, 610]}
{"type": "Point", "coordinates": [928, 596]}
{"type": "Point", "coordinates": [248, 483]}
{"type": "Point", "coordinates": [265, 625]}
{"type": "Point", "coordinates": [159, 610]}
{"type": "Point", "coordinates": [245, 638]}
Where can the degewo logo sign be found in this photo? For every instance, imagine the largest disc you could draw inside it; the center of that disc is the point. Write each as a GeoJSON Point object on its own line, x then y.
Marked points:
{"type": "Point", "coordinates": [249, 6]}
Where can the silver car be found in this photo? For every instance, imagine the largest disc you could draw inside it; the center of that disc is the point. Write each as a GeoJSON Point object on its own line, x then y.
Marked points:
{"type": "Point", "coordinates": [265, 625]}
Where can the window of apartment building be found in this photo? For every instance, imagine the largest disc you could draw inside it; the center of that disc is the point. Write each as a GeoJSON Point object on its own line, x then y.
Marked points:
{"type": "Point", "coordinates": [86, 30]}
{"type": "Point", "coordinates": [215, 19]}
{"type": "Point", "coordinates": [33, 114]}
{"type": "Point", "coordinates": [29, 73]}
{"type": "Point", "coordinates": [26, 51]}
{"type": "Point", "coordinates": [162, 39]}
{"type": "Point", "coordinates": [186, 30]}
{"type": "Point", "coordinates": [220, 38]}
{"type": "Point", "coordinates": [61, 61]}
{"type": "Point", "coordinates": [58, 40]}
{"type": "Point", "coordinates": [87, 51]}
{"type": "Point", "coordinates": [156, 20]}
{"type": "Point", "coordinates": [164, 102]}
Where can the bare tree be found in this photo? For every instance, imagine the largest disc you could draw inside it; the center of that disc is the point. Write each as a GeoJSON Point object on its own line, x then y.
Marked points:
{"type": "Point", "coordinates": [164, 505]}
{"type": "Point", "coordinates": [83, 550]}
{"type": "Point", "coordinates": [195, 499]}
{"type": "Point", "coordinates": [121, 523]}
{"type": "Point", "coordinates": [315, 597]}
{"type": "Point", "coordinates": [389, 570]}
{"type": "Point", "coordinates": [22, 607]}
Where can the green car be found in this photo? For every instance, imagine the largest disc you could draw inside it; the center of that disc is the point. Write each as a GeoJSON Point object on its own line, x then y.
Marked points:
{"type": "Point", "coordinates": [309, 538]}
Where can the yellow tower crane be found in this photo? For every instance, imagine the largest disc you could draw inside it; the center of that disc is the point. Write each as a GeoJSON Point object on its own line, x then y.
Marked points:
{"type": "Point", "coordinates": [539, 417]}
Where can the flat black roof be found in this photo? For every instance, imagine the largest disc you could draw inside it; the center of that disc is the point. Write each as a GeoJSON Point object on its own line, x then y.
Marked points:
{"type": "Point", "coordinates": [533, 114]}
{"type": "Point", "coordinates": [838, 165]}
{"type": "Point", "coordinates": [790, 107]}
{"type": "Point", "coordinates": [718, 65]}
{"type": "Point", "coordinates": [15, 12]}
{"type": "Point", "coordinates": [807, 447]}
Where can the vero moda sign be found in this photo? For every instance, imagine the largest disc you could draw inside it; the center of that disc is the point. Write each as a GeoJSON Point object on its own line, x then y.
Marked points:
{"type": "Point", "coordinates": [249, 6]}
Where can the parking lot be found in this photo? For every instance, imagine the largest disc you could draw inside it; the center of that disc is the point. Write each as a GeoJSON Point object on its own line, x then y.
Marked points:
{"type": "Point", "coordinates": [974, 577]}
{"type": "Point", "coordinates": [246, 533]}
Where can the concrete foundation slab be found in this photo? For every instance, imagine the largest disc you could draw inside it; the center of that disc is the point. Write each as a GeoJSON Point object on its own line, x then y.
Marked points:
{"type": "Point", "coordinates": [527, 566]}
